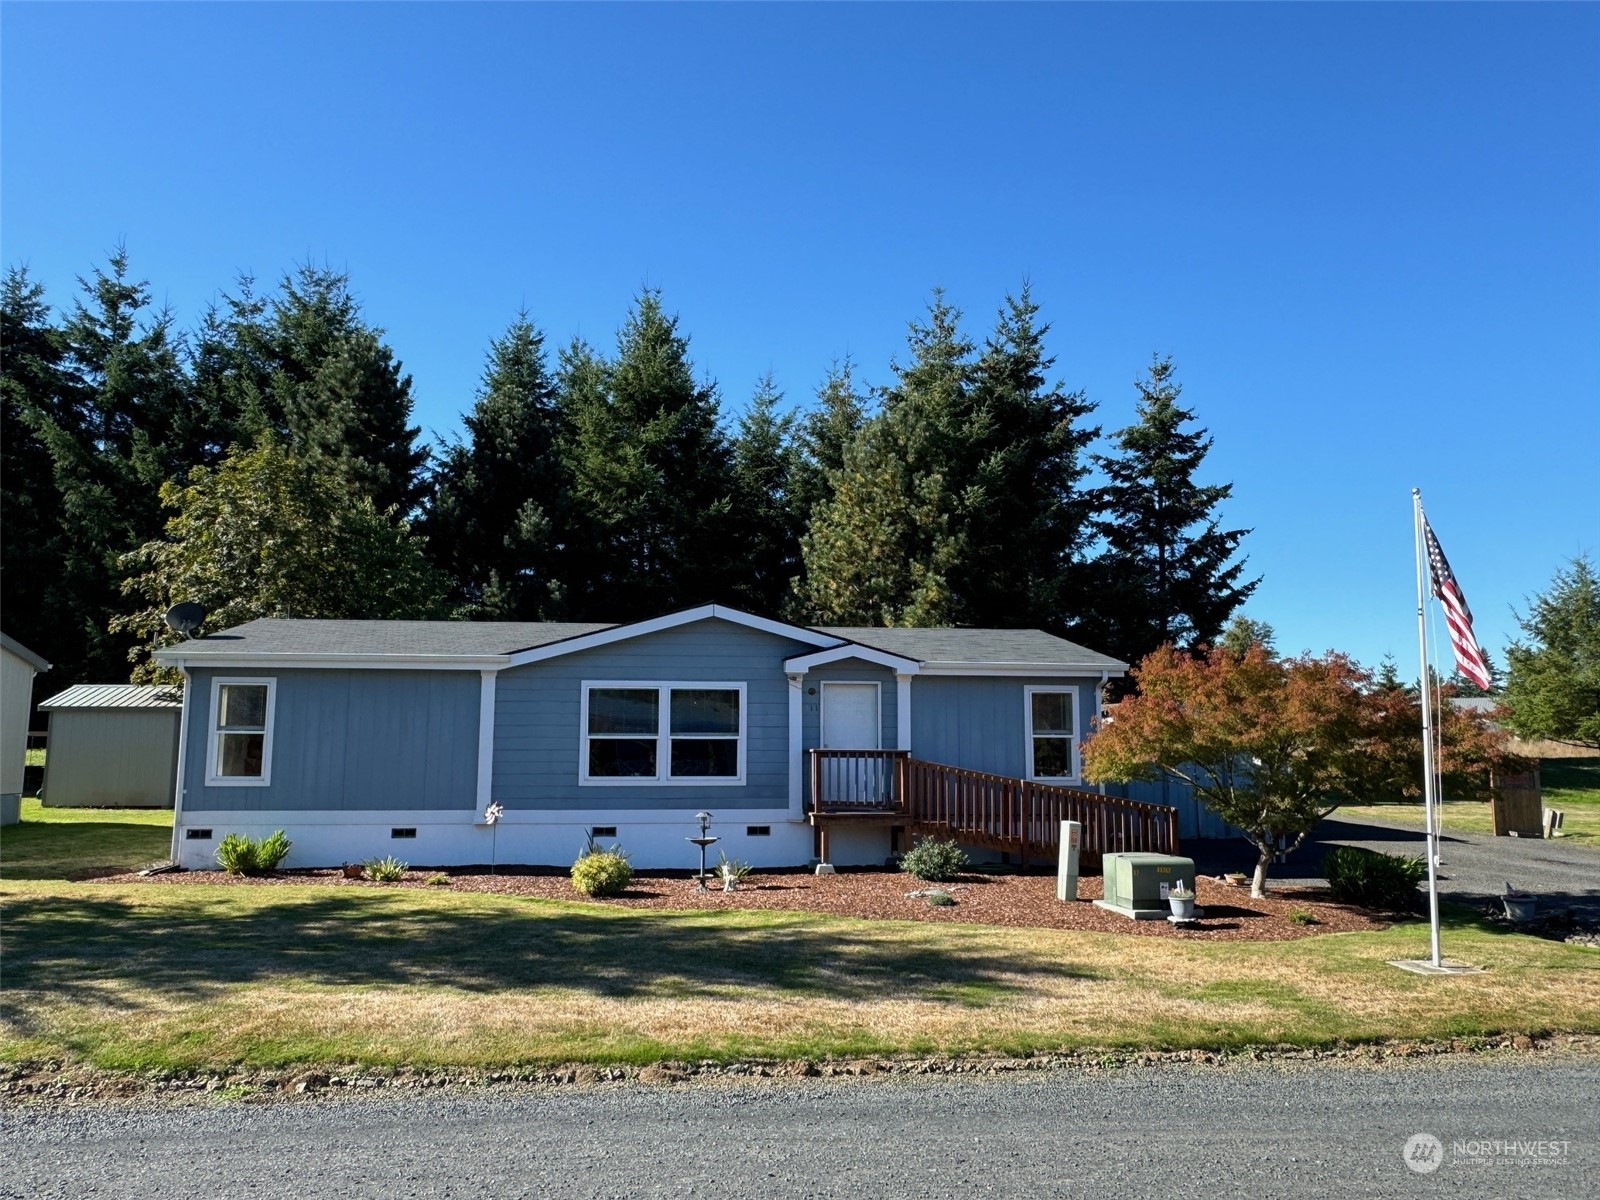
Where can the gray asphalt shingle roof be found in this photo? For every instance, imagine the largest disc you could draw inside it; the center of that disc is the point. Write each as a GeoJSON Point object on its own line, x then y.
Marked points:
{"type": "Point", "coordinates": [114, 695]}
{"type": "Point", "coordinates": [287, 638]}
{"type": "Point", "coordinates": [292, 636]}
{"type": "Point", "coordinates": [952, 645]}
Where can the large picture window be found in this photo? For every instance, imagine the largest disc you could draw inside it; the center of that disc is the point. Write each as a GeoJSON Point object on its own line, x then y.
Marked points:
{"type": "Point", "coordinates": [1052, 736]}
{"type": "Point", "coordinates": [677, 733]}
{"type": "Point", "coordinates": [239, 752]}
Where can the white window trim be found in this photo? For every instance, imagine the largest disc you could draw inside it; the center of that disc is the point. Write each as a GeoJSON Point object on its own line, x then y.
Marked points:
{"type": "Point", "coordinates": [214, 735]}
{"type": "Point", "coordinates": [1028, 693]}
{"type": "Point", "coordinates": [877, 723]}
{"type": "Point", "coordinates": [663, 777]}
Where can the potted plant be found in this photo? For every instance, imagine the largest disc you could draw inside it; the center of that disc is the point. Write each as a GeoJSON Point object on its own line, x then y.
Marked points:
{"type": "Point", "coordinates": [1182, 900]}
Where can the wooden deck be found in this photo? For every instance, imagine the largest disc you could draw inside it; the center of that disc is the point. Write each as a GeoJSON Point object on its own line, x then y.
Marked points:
{"type": "Point", "coordinates": [1014, 816]}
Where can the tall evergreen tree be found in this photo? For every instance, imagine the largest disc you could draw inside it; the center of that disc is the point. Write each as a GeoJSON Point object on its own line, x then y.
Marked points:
{"type": "Point", "coordinates": [651, 475]}
{"type": "Point", "coordinates": [116, 421]}
{"type": "Point", "coordinates": [823, 433]}
{"type": "Point", "coordinates": [767, 519]}
{"type": "Point", "coordinates": [499, 496]}
{"type": "Point", "coordinates": [884, 547]}
{"type": "Point", "coordinates": [35, 605]}
{"type": "Point", "coordinates": [305, 364]}
{"type": "Point", "coordinates": [1031, 519]}
{"type": "Point", "coordinates": [1168, 572]}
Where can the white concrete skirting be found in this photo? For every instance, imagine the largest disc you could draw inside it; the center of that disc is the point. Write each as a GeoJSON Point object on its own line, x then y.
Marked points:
{"type": "Point", "coordinates": [654, 839]}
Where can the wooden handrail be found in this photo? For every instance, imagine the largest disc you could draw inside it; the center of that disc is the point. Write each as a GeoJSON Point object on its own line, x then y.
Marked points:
{"type": "Point", "coordinates": [977, 807]}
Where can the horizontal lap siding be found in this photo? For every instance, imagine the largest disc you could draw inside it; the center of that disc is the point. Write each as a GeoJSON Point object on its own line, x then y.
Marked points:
{"type": "Point", "coordinates": [537, 739]}
{"type": "Point", "coordinates": [979, 722]}
{"type": "Point", "coordinates": [350, 740]}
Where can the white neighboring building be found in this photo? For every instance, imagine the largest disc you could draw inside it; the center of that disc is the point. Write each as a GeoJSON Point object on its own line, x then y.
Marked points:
{"type": "Point", "coordinates": [18, 666]}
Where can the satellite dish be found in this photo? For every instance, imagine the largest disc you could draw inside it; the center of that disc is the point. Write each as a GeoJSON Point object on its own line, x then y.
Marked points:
{"type": "Point", "coordinates": [186, 617]}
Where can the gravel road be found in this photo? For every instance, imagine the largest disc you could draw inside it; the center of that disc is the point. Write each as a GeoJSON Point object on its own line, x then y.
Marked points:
{"type": "Point", "coordinates": [1281, 1130]}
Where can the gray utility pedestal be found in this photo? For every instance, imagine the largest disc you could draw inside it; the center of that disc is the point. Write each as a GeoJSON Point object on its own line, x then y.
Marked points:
{"type": "Point", "coordinates": [1136, 885]}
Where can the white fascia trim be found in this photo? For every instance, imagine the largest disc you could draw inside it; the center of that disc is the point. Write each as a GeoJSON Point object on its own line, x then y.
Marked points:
{"type": "Point", "coordinates": [705, 612]}
{"type": "Point", "coordinates": [896, 662]}
{"type": "Point", "coordinates": [172, 656]}
{"type": "Point", "coordinates": [1047, 670]}
{"type": "Point", "coordinates": [663, 776]}
{"type": "Point", "coordinates": [214, 735]}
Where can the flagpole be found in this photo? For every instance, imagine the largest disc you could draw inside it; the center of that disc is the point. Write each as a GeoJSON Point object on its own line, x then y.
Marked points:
{"type": "Point", "coordinates": [1427, 731]}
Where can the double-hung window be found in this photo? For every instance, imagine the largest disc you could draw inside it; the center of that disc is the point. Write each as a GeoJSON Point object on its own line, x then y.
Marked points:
{"type": "Point", "coordinates": [1052, 737]}
{"type": "Point", "coordinates": [675, 733]}
{"type": "Point", "coordinates": [239, 750]}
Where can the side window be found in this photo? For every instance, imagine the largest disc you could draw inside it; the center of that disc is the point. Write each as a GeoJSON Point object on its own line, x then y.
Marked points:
{"type": "Point", "coordinates": [241, 731]}
{"type": "Point", "coordinates": [1051, 733]}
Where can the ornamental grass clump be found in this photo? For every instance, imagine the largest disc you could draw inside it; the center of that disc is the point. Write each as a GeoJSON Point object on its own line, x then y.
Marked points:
{"type": "Point", "coordinates": [1357, 875]}
{"type": "Point", "coordinates": [934, 861]}
{"type": "Point", "coordinates": [385, 870]}
{"type": "Point", "coordinates": [240, 854]}
{"type": "Point", "coordinates": [602, 870]}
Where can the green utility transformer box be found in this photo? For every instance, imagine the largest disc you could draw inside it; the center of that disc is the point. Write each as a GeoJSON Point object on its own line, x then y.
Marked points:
{"type": "Point", "coordinates": [1137, 884]}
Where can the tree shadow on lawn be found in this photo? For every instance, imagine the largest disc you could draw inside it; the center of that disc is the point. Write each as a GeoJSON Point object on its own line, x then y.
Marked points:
{"type": "Point", "coordinates": [112, 951]}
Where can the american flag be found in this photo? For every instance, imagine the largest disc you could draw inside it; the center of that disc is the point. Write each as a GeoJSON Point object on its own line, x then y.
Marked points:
{"type": "Point", "coordinates": [1469, 656]}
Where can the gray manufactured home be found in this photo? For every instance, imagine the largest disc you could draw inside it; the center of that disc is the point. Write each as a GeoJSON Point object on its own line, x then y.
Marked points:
{"type": "Point", "coordinates": [365, 738]}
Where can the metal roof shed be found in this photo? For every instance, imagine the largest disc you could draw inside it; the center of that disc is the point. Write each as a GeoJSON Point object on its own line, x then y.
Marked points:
{"type": "Point", "coordinates": [112, 745]}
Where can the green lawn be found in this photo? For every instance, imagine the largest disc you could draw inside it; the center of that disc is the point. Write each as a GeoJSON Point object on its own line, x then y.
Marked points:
{"type": "Point", "coordinates": [1570, 784]}
{"type": "Point", "coordinates": [139, 976]}
{"type": "Point", "coordinates": [76, 843]}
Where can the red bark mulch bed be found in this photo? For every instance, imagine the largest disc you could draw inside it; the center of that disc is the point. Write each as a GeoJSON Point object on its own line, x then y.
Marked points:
{"type": "Point", "coordinates": [1012, 899]}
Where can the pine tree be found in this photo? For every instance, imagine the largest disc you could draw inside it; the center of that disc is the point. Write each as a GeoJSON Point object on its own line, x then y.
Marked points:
{"type": "Point", "coordinates": [884, 547]}
{"type": "Point", "coordinates": [116, 422]}
{"type": "Point", "coordinates": [37, 608]}
{"type": "Point", "coordinates": [499, 497]}
{"type": "Point", "coordinates": [651, 475]}
{"type": "Point", "coordinates": [767, 518]}
{"type": "Point", "coordinates": [1167, 573]}
{"type": "Point", "coordinates": [823, 433]}
{"type": "Point", "coordinates": [1553, 681]}
{"type": "Point", "coordinates": [1030, 519]}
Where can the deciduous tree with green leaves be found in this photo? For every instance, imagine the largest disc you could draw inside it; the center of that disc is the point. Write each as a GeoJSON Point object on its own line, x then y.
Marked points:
{"type": "Point", "coordinates": [1553, 678]}
{"type": "Point", "coordinates": [268, 534]}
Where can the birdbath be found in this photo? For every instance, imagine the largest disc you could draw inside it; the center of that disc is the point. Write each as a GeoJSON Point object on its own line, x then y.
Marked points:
{"type": "Point", "coordinates": [703, 841]}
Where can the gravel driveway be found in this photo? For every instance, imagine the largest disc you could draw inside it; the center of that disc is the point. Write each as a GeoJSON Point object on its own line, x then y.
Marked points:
{"type": "Point", "coordinates": [1310, 1130]}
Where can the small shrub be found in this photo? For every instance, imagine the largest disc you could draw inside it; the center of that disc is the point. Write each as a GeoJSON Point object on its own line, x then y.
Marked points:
{"type": "Point", "coordinates": [385, 870]}
{"type": "Point", "coordinates": [934, 861]}
{"type": "Point", "coordinates": [240, 854]}
{"type": "Point", "coordinates": [1385, 881]}
{"type": "Point", "coordinates": [271, 850]}
{"type": "Point", "coordinates": [602, 871]}
{"type": "Point", "coordinates": [939, 899]}
{"type": "Point", "coordinates": [1302, 916]}
{"type": "Point", "coordinates": [438, 879]}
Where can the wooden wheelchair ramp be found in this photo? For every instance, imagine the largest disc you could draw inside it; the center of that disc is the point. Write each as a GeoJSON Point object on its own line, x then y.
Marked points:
{"type": "Point", "coordinates": [1013, 816]}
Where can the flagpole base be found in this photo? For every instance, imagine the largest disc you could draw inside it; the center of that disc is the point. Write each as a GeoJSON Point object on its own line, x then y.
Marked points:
{"type": "Point", "coordinates": [1425, 966]}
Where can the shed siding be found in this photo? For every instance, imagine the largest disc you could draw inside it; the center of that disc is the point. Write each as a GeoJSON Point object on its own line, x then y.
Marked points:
{"type": "Point", "coordinates": [350, 741]}
{"type": "Point", "coordinates": [111, 758]}
{"type": "Point", "coordinates": [537, 739]}
{"type": "Point", "coordinates": [978, 722]}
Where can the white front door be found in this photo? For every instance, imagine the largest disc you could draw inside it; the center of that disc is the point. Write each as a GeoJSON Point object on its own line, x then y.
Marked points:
{"type": "Point", "coordinates": [850, 722]}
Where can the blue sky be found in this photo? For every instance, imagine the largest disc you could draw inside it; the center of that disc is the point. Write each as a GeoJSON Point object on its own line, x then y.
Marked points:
{"type": "Point", "coordinates": [1369, 235]}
